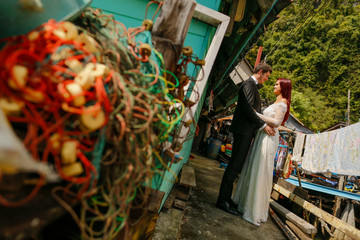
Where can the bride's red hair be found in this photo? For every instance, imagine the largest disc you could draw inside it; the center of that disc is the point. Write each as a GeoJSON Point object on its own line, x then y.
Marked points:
{"type": "Point", "coordinates": [285, 85]}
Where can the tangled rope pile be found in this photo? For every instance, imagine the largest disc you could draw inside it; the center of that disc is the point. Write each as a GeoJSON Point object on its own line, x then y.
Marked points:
{"type": "Point", "coordinates": [95, 102]}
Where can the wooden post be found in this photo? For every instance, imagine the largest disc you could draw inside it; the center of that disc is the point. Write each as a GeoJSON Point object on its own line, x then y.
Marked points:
{"type": "Point", "coordinates": [298, 174]}
{"type": "Point", "coordinates": [337, 204]}
{"type": "Point", "coordinates": [170, 30]}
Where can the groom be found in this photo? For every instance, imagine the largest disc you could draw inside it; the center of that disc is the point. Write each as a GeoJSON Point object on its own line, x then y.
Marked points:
{"type": "Point", "coordinates": [244, 125]}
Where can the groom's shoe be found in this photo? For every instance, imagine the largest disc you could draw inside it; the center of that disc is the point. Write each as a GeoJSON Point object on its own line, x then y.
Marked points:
{"type": "Point", "coordinates": [233, 204]}
{"type": "Point", "coordinates": [227, 207]}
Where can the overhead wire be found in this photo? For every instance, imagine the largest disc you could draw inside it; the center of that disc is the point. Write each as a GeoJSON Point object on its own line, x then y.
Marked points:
{"type": "Point", "coordinates": [301, 16]}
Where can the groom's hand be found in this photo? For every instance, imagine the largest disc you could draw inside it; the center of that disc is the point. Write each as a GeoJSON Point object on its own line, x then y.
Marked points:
{"type": "Point", "coordinates": [269, 130]}
{"type": "Point", "coordinates": [272, 125]}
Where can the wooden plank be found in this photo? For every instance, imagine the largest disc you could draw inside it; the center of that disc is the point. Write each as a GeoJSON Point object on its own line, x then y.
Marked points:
{"type": "Point", "coordinates": [169, 201]}
{"type": "Point", "coordinates": [299, 222]}
{"type": "Point", "coordinates": [240, 10]}
{"type": "Point", "coordinates": [297, 231]}
{"type": "Point", "coordinates": [289, 234]}
{"type": "Point", "coordinates": [170, 29]}
{"type": "Point", "coordinates": [292, 188]}
{"type": "Point", "coordinates": [275, 195]}
{"type": "Point", "coordinates": [187, 177]}
{"type": "Point", "coordinates": [333, 221]}
{"type": "Point", "coordinates": [149, 200]}
{"type": "Point", "coordinates": [232, 15]}
{"type": "Point", "coordinates": [179, 204]}
{"type": "Point", "coordinates": [155, 200]}
{"type": "Point", "coordinates": [182, 193]}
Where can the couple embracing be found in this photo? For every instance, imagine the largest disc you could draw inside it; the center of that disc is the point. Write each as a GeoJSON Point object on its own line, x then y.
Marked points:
{"type": "Point", "coordinates": [253, 157]}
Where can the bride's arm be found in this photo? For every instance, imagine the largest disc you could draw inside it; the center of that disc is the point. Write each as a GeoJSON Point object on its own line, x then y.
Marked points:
{"type": "Point", "coordinates": [279, 116]}
{"type": "Point", "coordinates": [267, 120]}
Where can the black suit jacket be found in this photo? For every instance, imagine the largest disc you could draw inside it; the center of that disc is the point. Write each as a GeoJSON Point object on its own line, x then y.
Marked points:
{"type": "Point", "coordinates": [245, 121]}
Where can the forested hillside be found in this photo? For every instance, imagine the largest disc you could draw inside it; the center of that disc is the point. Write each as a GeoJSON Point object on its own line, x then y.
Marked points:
{"type": "Point", "coordinates": [317, 46]}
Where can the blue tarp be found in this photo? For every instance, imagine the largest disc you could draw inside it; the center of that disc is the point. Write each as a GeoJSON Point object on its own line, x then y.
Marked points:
{"type": "Point", "coordinates": [323, 189]}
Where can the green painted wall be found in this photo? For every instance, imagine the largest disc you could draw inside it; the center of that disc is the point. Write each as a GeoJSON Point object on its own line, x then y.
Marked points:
{"type": "Point", "coordinates": [131, 14]}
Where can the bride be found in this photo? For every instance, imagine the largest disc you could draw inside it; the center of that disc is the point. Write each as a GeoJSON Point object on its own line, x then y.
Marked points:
{"type": "Point", "coordinates": [252, 193]}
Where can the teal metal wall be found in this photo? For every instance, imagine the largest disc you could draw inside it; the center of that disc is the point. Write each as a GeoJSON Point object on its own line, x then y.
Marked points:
{"type": "Point", "coordinates": [131, 14]}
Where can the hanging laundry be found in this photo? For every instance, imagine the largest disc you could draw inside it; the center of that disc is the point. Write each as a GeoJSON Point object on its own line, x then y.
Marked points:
{"type": "Point", "coordinates": [337, 151]}
{"type": "Point", "coordinates": [298, 147]}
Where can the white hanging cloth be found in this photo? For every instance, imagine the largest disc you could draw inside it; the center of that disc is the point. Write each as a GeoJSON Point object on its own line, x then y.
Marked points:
{"type": "Point", "coordinates": [298, 147]}
{"type": "Point", "coordinates": [337, 151]}
{"type": "Point", "coordinates": [14, 157]}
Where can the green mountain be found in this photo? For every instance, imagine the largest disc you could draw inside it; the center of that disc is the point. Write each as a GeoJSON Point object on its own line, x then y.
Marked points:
{"type": "Point", "coordinates": [317, 45]}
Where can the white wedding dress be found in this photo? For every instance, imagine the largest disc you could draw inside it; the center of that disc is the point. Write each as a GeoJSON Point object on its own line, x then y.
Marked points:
{"type": "Point", "coordinates": [252, 193]}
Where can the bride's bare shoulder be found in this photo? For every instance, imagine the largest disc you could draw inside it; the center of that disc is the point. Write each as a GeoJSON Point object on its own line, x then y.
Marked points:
{"type": "Point", "coordinates": [284, 100]}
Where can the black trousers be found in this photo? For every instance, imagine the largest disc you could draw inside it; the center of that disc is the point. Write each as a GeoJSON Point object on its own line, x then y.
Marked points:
{"type": "Point", "coordinates": [240, 149]}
